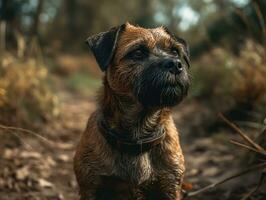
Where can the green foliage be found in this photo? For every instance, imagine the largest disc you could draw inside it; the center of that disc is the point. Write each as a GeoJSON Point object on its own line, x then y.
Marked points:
{"type": "Point", "coordinates": [211, 76]}
{"type": "Point", "coordinates": [83, 82]}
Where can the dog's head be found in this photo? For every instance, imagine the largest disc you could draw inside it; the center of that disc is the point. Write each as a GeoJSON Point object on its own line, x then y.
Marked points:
{"type": "Point", "coordinates": [149, 65]}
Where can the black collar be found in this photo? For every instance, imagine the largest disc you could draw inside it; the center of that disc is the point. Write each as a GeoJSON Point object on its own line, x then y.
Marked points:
{"type": "Point", "coordinates": [128, 145]}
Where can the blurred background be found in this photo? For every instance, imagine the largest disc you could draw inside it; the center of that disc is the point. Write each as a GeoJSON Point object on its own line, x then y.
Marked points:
{"type": "Point", "coordinates": [49, 79]}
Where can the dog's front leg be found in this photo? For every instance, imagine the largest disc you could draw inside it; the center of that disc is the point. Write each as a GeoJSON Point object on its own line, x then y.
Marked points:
{"type": "Point", "coordinates": [88, 186]}
{"type": "Point", "coordinates": [170, 186]}
{"type": "Point", "coordinates": [138, 195]}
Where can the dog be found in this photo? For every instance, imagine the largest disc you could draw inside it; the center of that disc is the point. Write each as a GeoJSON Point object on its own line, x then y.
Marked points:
{"type": "Point", "coordinates": [130, 149]}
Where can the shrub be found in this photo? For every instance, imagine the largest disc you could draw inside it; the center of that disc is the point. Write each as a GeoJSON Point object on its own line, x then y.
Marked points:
{"type": "Point", "coordinates": [225, 80]}
{"type": "Point", "coordinates": [25, 95]}
{"type": "Point", "coordinates": [250, 75]}
{"type": "Point", "coordinates": [211, 78]}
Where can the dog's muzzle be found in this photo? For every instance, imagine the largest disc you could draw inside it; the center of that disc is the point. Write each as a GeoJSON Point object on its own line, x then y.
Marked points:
{"type": "Point", "coordinates": [163, 83]}
{"type": "Point", "coordinates": [173, 66]}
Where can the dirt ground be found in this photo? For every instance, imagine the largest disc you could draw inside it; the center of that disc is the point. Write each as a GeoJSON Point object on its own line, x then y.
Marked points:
{"type": "Point", "coordinates": [34, 168]}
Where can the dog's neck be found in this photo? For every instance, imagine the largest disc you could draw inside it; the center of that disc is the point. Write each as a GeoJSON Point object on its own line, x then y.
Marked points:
{"type": "Point", "coordinates": [125, 115]}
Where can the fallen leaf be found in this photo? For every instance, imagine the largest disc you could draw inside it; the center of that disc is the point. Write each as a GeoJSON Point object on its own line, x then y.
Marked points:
{"type": "Point", "coordinates": [187, 186]}
{"type": "Point", "coordinates": [28, 154]}
{"type": "Point", "coordinates": [22, 173]}
{"type": "Point", "coordinates": [45, 183]}
{"type": "Point", "coordinates": [63, 157]}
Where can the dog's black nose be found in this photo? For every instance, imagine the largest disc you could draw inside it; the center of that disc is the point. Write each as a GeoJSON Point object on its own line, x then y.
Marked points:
{"type": "Point", "coordinates": [174, 66]}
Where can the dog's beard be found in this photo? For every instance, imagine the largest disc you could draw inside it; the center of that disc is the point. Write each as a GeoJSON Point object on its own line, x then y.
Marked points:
{"type": "Point", "coordinates": [155, 87]}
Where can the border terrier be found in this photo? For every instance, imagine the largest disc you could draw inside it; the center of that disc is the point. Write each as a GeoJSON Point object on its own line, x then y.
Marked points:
{"type": "Point", "coordinates": [130, 148]}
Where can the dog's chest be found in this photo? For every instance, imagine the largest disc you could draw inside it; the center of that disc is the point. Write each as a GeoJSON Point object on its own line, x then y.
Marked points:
{"type": "Point", "coordinates": [136, 169]}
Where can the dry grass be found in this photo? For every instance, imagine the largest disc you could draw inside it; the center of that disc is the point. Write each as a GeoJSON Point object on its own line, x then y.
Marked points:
{"type": "Point", "coordinates": [249, 83]}
{"type": "Point", "coordinates": [25, 96]}
{"type": "Point", "coordinates": [225, 80]}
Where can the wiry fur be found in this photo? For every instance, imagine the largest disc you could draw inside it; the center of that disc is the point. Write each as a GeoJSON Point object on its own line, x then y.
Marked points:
{"type": "Point", "coordinates": [105, 173]}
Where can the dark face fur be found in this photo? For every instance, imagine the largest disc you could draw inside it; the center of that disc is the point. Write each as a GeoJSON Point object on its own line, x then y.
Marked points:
{"type": "Point", "coordinates": [149, 65]}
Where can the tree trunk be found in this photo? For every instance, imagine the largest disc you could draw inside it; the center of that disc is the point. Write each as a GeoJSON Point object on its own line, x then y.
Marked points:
{"type": "Point", "coordinates": [71, 9]}
{"type": "Point", "coordinates": [2, 37]}
{"type": "Point", "coordinates": [36, 21]}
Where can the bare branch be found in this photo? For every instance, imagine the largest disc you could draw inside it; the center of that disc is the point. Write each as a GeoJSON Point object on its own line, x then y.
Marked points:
{"type": "Point", "coordinates": [243, 135]}
{"type": "Point", "coordinates": [251, 169]}
{"type": "Point", "coordinates": [246, 146]}
{"type": "Point", "coordinates": [262, 177]}
{"type": "Point", "coordinates": [11, 128]}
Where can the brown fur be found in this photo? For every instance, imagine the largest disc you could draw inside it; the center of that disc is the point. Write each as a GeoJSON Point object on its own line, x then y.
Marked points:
{"type": "Point", "coordinates": [105, 173]}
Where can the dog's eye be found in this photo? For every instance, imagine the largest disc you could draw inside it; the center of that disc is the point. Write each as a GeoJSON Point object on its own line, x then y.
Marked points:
{"type": "Point", "coordinates": [138, 53]}
{"type": "Point", "coordinates": [174, 51]}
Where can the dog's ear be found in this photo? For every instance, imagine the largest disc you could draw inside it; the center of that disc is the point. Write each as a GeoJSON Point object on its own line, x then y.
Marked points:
{"type": "Point", "coordinates": [103, 45]}
{"type": "Point", "coordinates": [186, 55]}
